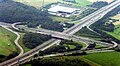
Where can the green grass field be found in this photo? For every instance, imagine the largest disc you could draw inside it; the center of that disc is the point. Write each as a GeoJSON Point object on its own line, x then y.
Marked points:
{"type": "Point", "coordinates": [105, 59]}
{"type": "Point", "coordinates": [82, 3]}
{"type": "Point", "coordinates": [70, 46]}
{"type": "Point", "coordinates": [60, 19]}
{"type": "Point", "coordinates": [7, 45]}
{"type": "Point", "coordinates": [99, 47]}
{"type": "Point", "coordinates": [82, 43]}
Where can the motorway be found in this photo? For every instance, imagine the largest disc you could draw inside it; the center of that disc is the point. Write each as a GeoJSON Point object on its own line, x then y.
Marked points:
{"type": "Point", "coordinates": [84, 22]}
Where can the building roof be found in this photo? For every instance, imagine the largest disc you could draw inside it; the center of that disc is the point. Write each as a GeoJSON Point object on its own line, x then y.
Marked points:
{"type": "Point", "coordinates": [62, 8]}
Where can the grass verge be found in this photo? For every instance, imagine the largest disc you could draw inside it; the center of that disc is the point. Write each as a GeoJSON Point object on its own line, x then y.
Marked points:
{"type": "Point", "coordinates": [7, 45]}
{"type": "Point", "coordinates": [20, 42]}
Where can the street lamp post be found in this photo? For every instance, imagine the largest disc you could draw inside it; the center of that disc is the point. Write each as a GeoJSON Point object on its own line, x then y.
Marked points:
{"type": "Point", "coordinates": [43, 5]}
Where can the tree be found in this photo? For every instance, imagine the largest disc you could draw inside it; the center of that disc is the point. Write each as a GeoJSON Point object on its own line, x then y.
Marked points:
{"type": "Point", "coordinates": [41, 53]}
{"type": "Point", "coordinates": [36, 55]}
{"type": "Point", "coordinates": [92, 45]}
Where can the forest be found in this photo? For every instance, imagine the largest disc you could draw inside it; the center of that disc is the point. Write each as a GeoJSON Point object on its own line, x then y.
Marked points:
{"type": "Point", "coordinates": [32, 40]}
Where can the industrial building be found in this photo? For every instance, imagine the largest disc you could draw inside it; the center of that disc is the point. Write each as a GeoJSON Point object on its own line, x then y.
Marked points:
{"type": "Point", "coordinates": [63, 11]}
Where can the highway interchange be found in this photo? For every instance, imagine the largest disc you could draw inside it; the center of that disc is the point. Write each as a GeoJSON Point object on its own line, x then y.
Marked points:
{"type": "Point", "coordinates": [60, 35]}
{"type": "Point", "coordinates": [88, 20]}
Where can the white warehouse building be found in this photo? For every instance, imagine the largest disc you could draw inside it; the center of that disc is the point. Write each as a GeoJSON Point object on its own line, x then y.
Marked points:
{"type": "Point", "coordinates": [63, 11]}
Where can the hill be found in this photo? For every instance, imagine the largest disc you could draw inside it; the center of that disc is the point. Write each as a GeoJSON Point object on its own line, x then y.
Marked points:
{"type": "Point", "coordinates": [11, 11]}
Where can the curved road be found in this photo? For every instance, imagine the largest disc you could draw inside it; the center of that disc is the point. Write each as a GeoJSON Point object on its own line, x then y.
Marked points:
{"type": "Point", "coordinates": [16, 40]}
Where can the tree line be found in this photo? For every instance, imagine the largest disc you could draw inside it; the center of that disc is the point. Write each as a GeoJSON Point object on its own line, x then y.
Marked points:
{"type": "Point", "coordinates": [59, 61]}
{"type": "Point", "coordinates": [98, 4]}
{"type": "Point", "coordinates": [4, 58]}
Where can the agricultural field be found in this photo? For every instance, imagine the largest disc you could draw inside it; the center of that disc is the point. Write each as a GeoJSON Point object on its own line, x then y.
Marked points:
{"type": "Point", "coordinates": [116, 23]}
{"type": "Point", "coordinates": [78, 3]}
{"type": "Point", "coordinates": [104, 59]}
{"type": "Point", "coordinates": [7, 45]}
{"type": "Point", "coordinates": [116, 16]}
{"type": "Point", "coordinates": [36, 3]}
{"type": "Point", "coordinates": [116, 32]}
{"type": "Point", "coordinates": [101, 0]}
